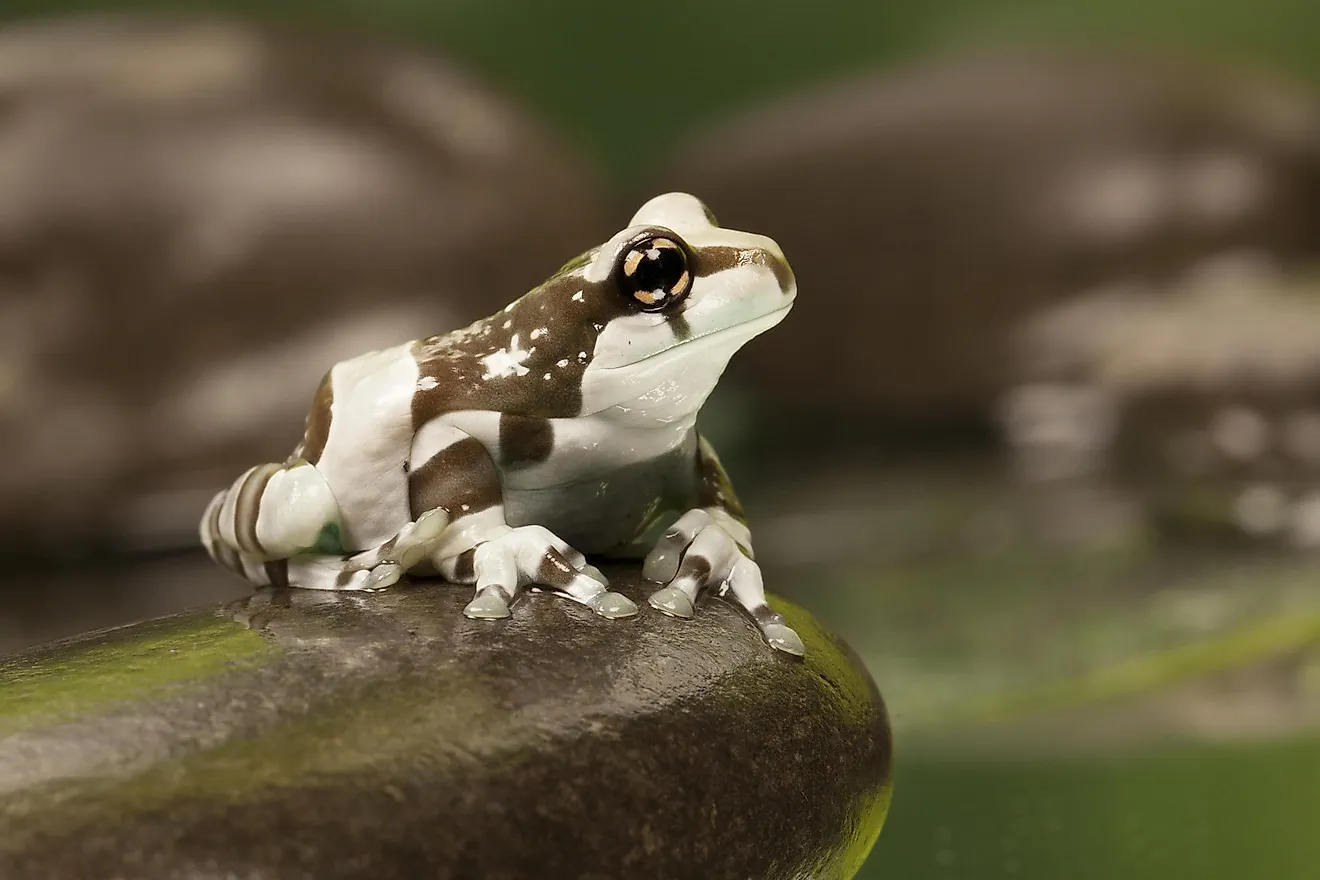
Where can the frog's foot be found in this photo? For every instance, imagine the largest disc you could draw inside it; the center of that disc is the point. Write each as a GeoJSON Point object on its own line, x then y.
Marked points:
{"type": "Point", "coordinates": [373, 569]}
{"type": "Point", "coordinates": [699, 554]}
{"type": "Point", "coordinates": [531, 555]}
{"type": "Point", "coordinates": [409, 546]}
{"type": "Point", "coordinates": [338, 573]}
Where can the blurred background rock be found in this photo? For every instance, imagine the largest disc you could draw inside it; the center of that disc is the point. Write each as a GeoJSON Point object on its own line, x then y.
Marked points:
{"type": "Point", "coordinates": [1041, 439]}
{"type": "Point", "coordinates": [937, 207]}
{"type": "Point", "coordinates": [198, 217]}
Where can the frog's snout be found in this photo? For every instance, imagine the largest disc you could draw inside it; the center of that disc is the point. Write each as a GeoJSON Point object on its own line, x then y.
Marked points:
{"type": "Point", "coordinates": [772, 258]}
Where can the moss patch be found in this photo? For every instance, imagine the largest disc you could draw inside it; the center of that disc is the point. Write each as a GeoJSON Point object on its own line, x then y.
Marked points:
{"type": "Point", "coordinates": [871, 821]}
{"type": "Point", "coordinates": [387, 727]}
{"type": "Point", "coordinates": [372, 733]}
{"type": "Point", "coordinates": [827, 661]}
{"type": "Point", "coordinates": [73, 678]}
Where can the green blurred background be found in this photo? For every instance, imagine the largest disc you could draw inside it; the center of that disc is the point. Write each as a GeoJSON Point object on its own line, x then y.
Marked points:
{"type": "Point", "coordinates": [1009, 763]}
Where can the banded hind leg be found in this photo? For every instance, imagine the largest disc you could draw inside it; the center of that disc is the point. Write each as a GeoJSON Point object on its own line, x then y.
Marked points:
{"type": "Point", "coordinates": [280, 525]}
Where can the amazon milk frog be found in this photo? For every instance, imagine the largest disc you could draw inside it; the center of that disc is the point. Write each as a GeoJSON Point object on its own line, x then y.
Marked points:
{"type": "Point", "coordinates": [502, 454]}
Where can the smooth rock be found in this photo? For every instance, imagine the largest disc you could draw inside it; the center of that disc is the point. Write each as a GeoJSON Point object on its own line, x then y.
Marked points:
{"type": "Point", "coordinates": [301, 734]}
{"type": "Point", "coordinates": [199, 217]}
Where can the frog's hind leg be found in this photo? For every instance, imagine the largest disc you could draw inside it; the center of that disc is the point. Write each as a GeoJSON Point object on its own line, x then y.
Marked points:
{"type": "Point", "coordinates": [372, 569]}
{"type": "Point", "coordinates": [274, 511]}
{"type": "Point", "coordinates": [270, 515]}
{"type": "Point", "coordinates": [270, 525]}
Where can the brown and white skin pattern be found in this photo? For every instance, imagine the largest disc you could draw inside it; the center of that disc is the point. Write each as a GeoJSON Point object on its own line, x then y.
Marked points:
{"type": "Point", "coordinates": [503, 454]}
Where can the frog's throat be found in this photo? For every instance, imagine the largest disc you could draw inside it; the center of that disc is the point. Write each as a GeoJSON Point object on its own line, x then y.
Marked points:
{"type": "Point", "coordinates": [700, 361]}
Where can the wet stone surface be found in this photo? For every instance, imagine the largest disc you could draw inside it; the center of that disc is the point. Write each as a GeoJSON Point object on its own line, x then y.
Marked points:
{"type": "Point", "coordinates": [300, 734]}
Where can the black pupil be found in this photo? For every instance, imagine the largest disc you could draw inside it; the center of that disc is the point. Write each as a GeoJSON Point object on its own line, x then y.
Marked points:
{"type": "Point", "coordinates": [660, 269]}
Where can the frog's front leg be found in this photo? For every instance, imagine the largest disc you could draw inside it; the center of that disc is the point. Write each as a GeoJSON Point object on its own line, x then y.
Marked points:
{"type": "Point", "coordinates": [709, 548]}
{"type": "Point", "coordinates": [481, 548]}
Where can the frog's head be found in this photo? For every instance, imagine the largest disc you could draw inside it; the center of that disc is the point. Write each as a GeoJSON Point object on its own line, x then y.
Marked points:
{"type": "Point", "coordinates": [686, 294]}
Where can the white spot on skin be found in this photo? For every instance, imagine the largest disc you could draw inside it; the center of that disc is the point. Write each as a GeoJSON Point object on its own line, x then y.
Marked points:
{"type": "Point", "coordinates": [508, 324]}
{"type": "Point", "coordinates": [538, 332]}
{"type": "Point", "coordinates": [546, 376]}
{"type": "Point", "coordinates": [506, 362]}
{"type": "Point", "coordinates": [577, 297]}
{"type": "Point", "coordinates": [562, 363]}
{"type": "Point", "coordinates": [426, 383]}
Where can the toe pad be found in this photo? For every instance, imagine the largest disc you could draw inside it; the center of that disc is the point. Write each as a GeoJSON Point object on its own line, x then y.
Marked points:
{"type": "Point", "coordinates": [614, 606]}
{"type": "Point", "coordinates": [672, 601]}
{"type": "Point", "coordinates": [487, 606]}
{"type": "Point", "coordinates": [782, 638]}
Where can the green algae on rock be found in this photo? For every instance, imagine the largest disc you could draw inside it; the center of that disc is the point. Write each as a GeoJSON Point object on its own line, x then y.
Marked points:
{"type": "Point", "coordinates": [77, 676]}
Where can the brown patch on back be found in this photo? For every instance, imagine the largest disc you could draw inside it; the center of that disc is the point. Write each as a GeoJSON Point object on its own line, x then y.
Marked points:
{"type": "Point", "coordinates": [460, 478]}
{"type": "Point", "coordinates": [456, 376]}
{"type": "Point", "coordinates": [525, 440]}
{"type": "Point", "coordinates": [318, 422]}
{"type": "Point", "coordinates": [567, 314]}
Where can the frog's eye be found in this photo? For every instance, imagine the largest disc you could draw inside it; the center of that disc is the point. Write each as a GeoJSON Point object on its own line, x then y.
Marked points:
{"type": "Point", "coordinates": [654, 271]}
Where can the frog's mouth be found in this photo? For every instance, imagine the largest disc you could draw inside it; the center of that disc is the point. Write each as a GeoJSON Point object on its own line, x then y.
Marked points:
{"type": "Point", "coordinates": [747, 330]}
{"type": "Point", "coordinates": [696, 345]}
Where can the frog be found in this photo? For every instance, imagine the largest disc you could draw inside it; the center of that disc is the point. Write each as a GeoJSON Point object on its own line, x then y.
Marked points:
{"type": "Point", "coordinates": [505, 455]}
